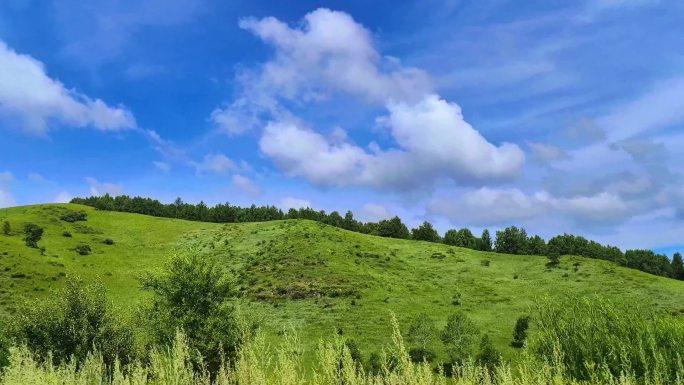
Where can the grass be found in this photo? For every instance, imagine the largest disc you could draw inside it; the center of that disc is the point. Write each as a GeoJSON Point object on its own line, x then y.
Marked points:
{"type": "Point", "coordinates": [313, 278]}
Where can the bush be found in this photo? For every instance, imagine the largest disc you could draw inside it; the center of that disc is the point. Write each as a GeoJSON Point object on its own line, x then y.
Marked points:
{"type": "Point", "coordinates": [4, 352]}
{"type": "Point", "coordinates": [6, 228]}
{"type": "Point", "coordinates": [458, 337]}
{"type": "Point", "coordinates": [72, 324]}
{"type": "Point", "coordinates": [193, 294]}
{"type": "Point", "coordinates": [108, 241]}
{"type": "Point", "coordinates": [422, 355]}
{"type": "Point", "coordinates": [66, 234]}
{"type": "Point", "coordinates": [74, 216]}
{"type": "Point", "coordinates": [33, 234]}
{"type": "Point", "coordinates": [488, 357]}
{"type": "Point", "coordinates": [83, 249]}
{"type": "Point", "coordinates": [520, 331]}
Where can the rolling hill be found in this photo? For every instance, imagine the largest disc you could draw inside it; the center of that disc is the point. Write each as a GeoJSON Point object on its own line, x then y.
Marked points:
{"type": "Point", "coordinates": [309, 276]}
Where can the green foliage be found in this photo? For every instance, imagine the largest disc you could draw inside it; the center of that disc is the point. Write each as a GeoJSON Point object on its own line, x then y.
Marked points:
{"type": "Point", "coordinates": [458, 337]}
{"type": "Point", "coordinates": [650, 262]}
{"type": "Point", "coordinates": [71, 323]}
{"type": "Point", "coordinates": [592, 333]}
{"type": "Point", "coordinates": [108, 241]}
{"type": "Point", "coordinates": [488, 357]}
{"type": "Point", "coordinates": [32, 234]}
{"type": "Point", "coordinates": [6, 228]}
{"type": "Point", "coordinates": [422, 331]}
{"type": "Point", "coordinates": [192, 294]}
{"type": "Point", "coordinates": [392, 228]}
{"type": "Point", "coordinates": [536, 246]}
{"type": "Point", "coordinates": [485, 241]}
{"type": "Point", "coordinates": [511, 240]}
{"type": "Point", "coordinates": [425, 232]}
{"type": "Point", "coordinates": [4, 347]}
{"type": "Point", "coordinates": [74, 216]}
{"type": "Point", "coordinates": [461, 238]}
{"type": "Point", "coordinates": [677, 267]}
{"type": "Point", "coordinates": [66, 234]}
{"type": "Point", "coordinates": [83, 249]}
{"type": "Point", "coordinates": [520, 331]}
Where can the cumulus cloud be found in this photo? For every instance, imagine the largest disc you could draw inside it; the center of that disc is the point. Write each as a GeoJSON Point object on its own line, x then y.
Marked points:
{"type": "Point", "coordinates": [215, 163]}
{"type": "Point", "coordinates": [434, 142]}
{"type": "Point", "coordinates": [98, 188]}
{"type": "Point", "coordinates": [29, 95]}
{"type": "Point", "coordinates": [293, 203]}
{"type": "Point", "coordinates": [246, 185]}
{"type": "Point", "coordinates": [330, 53]}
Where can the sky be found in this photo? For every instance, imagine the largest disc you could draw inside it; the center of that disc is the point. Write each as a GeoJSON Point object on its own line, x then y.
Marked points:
{"type": "Point", "coordinates": [561, 117]}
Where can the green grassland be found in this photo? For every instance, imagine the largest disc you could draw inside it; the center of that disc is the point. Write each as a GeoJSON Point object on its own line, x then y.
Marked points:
{"type": "Point", "coordinates": [312, 277]}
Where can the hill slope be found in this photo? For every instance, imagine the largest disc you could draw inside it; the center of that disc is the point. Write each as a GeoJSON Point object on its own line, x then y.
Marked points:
{"type": "Point", "coordinates": [310, 276]}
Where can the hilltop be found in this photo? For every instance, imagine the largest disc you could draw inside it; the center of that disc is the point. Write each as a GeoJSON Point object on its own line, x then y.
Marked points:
{"type": "Point", "coordinates": [315, 278]}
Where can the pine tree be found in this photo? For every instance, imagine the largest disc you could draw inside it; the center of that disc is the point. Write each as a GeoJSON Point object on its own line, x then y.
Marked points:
{"type": "Point", "coordinates": [677, 267]}
{"type": "Point", "coordinates": [485, 241]}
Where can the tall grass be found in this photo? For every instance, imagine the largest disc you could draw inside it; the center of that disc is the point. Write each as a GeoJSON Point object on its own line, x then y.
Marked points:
{"type": "Point", "coordinates": [594, 337]}
{"type": "Point", "coordinates": [257, 363]}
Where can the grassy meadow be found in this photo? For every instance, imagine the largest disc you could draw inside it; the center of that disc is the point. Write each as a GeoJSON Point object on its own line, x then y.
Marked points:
{"type": "Point", "coordinates": [313, 279]}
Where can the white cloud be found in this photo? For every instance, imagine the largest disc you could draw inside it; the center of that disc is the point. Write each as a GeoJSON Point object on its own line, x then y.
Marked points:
{"type": "Point", "coordinates": [246, 185]}
{"type": "Point", "coordinates": [293, 203]}
{"type": "Point", "coordinates": [217, 163]}
{"type": "Point", "coordinates": [546, 153]}
{"type": "Point", "coordinates": [374, 212]}
{"type": "Point", "coordinates": [162, 166]}
{"type": "Point", "coordinates": [489, 206]}
{"type": "Point", "coordinates": [64, 197]}
{"type": "Point", "coordinates": [6, 199]}
{"type": "Point", "coordinates": [434, 142]}
{"type": "Point", "coordinates": [658, 108]}
{"type": "Point", "coordinates": [101, 188]}
{"type": "Point", "coordinates": [28, 94]}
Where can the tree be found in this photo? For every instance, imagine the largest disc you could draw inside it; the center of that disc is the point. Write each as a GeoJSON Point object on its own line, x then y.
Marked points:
{"type": "Point", "coordinates": [485, 243]}
{"type": "Point", "coordinates": [192, 295]}
{"type": "Point", "coordinates": [425, 232]}
{"type": "Point", "coordinates": [520, 332]}
{"type": "Point", "coordinates": [511, 240]}
{"type": "Point", "coordinates": [70, 325]}
{"type": "Point", "coordinates": [421, 333]}
{"type": "Point", "coordinates": [536, 246]}
{"type": "Point", "coordinates": [6, 228]}
{"type": "Point", "coordinates": [677, 266]}
{"type": "Point", "coordinates": [393, 228]}
{"type": "Point", "coordinates": [458, 337]}
{"type": "Point", "coordinates": [488, 357]}
{"type": "Point", "coordinates": [461, 238]}
{"type": "Point", "coordinates": [33, 234]}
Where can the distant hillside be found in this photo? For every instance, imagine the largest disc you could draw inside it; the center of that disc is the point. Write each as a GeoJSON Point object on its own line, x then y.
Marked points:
{"type": "Point", "coordinates": [316, 278]}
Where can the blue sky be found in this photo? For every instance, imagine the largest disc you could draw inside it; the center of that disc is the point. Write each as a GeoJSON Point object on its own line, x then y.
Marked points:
{"type": "Point", "coordinates": [557, 117]}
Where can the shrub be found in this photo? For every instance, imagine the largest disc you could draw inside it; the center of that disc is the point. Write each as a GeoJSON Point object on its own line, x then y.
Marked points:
{"type": "Point", "coordinates": [4, 352]}
{"type": "Point", "coordinates": [66, 234]}
{"type": "Point", "coordinates": [74, 216]}
{"type": "Point", "coordinates": [6, 228]}
{"type": "Point", "coordinates": [520, 331]}
{"type": "Point", "coordinates": [33, 234]}
{"type": "Point", "coordinates": [422, 331]}
{"type": "Point", "coordinates": [422, 355]}
{"type": "Point", "coordinates": [108, 241]}
{"type": "Point", "coordinates": [72, 324]}
{"type": "Point", "coordinates": [458, 337]}
{"type": "Point", "coordinates": [457, 299]}
{"type": "Point", "coordinates": [83, 249]}
{"type": "Point", "coordinates": [192, 294]}
{"type": "Point", "coordinates": [488, 357]}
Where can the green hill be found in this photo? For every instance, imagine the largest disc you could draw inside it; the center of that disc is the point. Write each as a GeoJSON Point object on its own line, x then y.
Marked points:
{"type": "Point", "coordinates": [310, 276]}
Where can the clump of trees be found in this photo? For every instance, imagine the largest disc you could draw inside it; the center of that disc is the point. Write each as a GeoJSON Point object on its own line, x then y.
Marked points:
{"type": "Point", "coordinates": [511, 240]}
{"type": "Point", "coordinates": [32, 234]}
{"type": "Point", "coordinates": [74, 216]}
